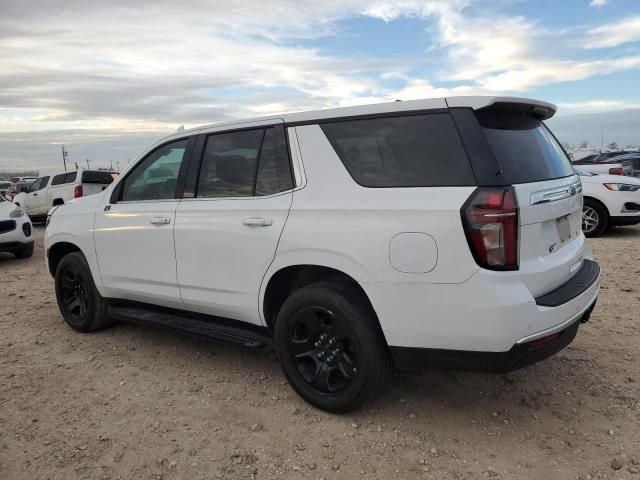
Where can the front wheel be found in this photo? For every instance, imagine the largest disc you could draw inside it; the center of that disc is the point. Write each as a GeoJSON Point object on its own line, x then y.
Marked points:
{"type": "Point", "coordinates": [595, 218]}
{"type": "Point", "coordinates": [328, 344]}
{"type": "Point", "coordinates": [80, 303]}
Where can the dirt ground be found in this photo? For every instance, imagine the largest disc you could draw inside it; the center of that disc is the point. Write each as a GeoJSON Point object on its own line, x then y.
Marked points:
{"type": "Point", "coordinates": [139, 403]}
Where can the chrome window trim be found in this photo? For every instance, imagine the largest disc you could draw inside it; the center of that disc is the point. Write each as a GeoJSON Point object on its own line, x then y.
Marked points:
{"type": "Point", "coordinates": [555, 194]}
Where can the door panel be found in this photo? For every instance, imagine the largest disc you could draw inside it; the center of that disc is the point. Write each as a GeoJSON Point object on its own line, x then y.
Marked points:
{"type": "Point", "coordinates": [133, 232]}
{"type": "Point", "coordinates": [223, 250]}
{"type": "Point", "coordinates": [134, 245]}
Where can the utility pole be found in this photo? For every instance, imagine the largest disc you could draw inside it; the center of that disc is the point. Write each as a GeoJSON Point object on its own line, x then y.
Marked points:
{"type": "Point", "coordinates": [88, 164]}
{"type": "Point", "coordinates": [64, 158]}
{"type": "Point", "coordinates": [118, 165]}
{"type": "Point", "coordinates": [111, 163]}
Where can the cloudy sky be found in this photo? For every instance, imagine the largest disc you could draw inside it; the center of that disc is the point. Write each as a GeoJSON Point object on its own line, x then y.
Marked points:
{"type": "Point", "coordinates": [108, 77]}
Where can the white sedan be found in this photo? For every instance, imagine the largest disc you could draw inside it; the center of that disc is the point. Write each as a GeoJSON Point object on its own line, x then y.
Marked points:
{"type": "Point", "coordinates": [609, 201]}
{"type": "Point", "coordinates": [15, 230]}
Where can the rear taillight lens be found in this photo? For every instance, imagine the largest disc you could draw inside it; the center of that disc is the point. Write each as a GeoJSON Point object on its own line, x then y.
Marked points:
{"type": "Point", "coordinates": [616, 171]}
{"type": "Point", "coordinates": [490, 220]}
{"type": "Point", "coordinates": [77, 191]}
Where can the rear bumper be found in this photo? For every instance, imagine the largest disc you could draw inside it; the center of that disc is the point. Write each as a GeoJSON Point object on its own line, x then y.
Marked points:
{"type": "Point", "coordinates": [523, 353]}
{"type": "Point", "coordinates": [488, 313]}
{"type": "Point", "coordinates": [12, 247]}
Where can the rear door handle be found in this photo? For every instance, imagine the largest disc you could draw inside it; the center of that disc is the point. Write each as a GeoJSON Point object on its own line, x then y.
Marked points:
{"type": "Point", "coordinates": [257, 222]}
{"type": "Point", "coordinates": [160, 221]}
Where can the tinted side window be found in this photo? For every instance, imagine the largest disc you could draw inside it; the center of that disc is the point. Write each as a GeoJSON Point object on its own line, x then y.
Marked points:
{"type": "Point", "coordinates": [58, 179]}
{"type": "Point", "coordinates": [524, 147]}
{"type": "Point", "coordinates": [274, 169]}
{"type": "Point", "coordinates": [156, 176]}
{"type": "Point", "coordinates": [92, 176]}
{"type": "Point", "coordinates": [229, 164]}
{"type": "Point", "coordinates": [70, 177]}
{"type": "Point", "coordinates": [404, 151]}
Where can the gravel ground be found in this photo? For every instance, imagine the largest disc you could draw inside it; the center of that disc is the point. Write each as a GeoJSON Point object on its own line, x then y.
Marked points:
{"type": "Point", "coordinates": [138, 403]}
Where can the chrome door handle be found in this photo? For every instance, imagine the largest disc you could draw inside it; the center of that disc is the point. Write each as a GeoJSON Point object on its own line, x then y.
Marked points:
{"type": "Point", "coordinates": [257, 222]}
{"type": "Point", "coordinates": [160, 221]}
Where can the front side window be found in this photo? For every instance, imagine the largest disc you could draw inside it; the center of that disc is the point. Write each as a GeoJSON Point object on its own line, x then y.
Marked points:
{"type": "Point", "coordinates": [244, 164]}
{"type": "Point", "coordinates": [39, 184]}
{"type": "Point", "coordinates": [404, 151]}
{"type": "Point", "coordinates": [156, 176]}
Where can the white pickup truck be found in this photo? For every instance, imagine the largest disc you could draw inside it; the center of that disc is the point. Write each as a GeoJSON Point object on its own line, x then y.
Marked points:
{"type": "Point", "coordinates": [52, 190]}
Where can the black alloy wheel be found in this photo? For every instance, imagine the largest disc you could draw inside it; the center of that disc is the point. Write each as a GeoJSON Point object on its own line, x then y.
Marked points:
{"type": "Point", "coordinates": [330, 346]}
{"type": "Point", "coordinates": [78, 299]}
{"type": "Point", "coordinates": [323, 349]}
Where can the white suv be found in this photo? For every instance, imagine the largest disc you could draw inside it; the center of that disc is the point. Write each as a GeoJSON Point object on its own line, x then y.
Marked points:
{"type": "Point", "coordinates": [50, 191]}
{"type": "Point", "coordinates": [408, 234]}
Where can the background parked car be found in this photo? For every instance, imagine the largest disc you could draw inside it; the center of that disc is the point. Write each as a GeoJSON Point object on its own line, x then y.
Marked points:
{"type": "Point", "coordinates": [17, 188]}
{"type": "Point", "coordinates": [4, 186]}
{"type": "Point", "coordinates": [609, 200]}
{"type": "Point", "coordinates": [15, 230]}
{"type": "Point", "coordinates": [49, 191]}
{"type": "Point", "coordinates": [612, 163]}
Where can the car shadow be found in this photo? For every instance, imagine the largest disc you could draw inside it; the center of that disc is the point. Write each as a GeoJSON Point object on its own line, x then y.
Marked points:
{"type": "Point", "coordinates": [435, 396]}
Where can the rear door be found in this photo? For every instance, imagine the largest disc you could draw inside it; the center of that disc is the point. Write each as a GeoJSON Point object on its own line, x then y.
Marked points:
{"type": "Point", "coordinates": [549, 196]}
{"type": "Point", "coordinates": [226, 235]}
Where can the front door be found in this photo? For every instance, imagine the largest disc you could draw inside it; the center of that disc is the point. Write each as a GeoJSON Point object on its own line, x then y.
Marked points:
{"type": "Point", "coordinates": [134, 229]}
{"type": "Point", "coordinates": [35, 200]}
{"type": "Point", "coordinates": [227, 235]}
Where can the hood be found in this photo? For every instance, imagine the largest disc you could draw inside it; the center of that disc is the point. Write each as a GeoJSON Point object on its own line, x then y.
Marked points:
{"type": "Point", "coordinates": [6, 208]}
{"type": "Point", "coordinates": [611, 179]}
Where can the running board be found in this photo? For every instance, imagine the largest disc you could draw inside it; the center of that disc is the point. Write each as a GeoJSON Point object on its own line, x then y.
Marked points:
{"type": "Point", "coordinates": [232, 331]}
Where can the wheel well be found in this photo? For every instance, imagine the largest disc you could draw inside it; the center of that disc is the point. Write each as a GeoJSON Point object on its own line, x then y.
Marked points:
{"type": "Point", "coordinates": [58, 201]}
{"type": "Point", "coordinates": [57, 252]}
{"type": "Point", "coordinates": [595, 200]}
{"type": "Point", "coordinates": [284, 282]}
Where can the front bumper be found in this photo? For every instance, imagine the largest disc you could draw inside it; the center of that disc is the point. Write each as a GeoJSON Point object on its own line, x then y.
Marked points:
{"type": "Point", "coordinates": [17, 238]}
{"type": "Point", "coordinates": [626, 220]}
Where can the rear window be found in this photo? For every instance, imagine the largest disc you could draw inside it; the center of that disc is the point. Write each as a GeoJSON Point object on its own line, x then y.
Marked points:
{"type": "Point", "coordinates": [402, 151]}
{"type": "Point", "coordinates": [524, 147]}
{"type": "Point", "coordinates": [89, 176]}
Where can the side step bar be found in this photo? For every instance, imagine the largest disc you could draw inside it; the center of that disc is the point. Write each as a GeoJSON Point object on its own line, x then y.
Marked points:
{"type": "Point", "coordinates": [239, 333]}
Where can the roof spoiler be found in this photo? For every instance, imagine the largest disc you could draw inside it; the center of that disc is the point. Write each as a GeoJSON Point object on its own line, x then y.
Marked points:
{"type": "Point", "coordinates": [536, 108]}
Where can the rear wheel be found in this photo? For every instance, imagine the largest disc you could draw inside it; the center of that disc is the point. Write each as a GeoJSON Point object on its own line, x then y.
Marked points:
{"type": "Point", "coordinates": [327, 340]}
{"type": "Point", "coordinates": [80, 303]}
{"type": "Point", "coordinates": [595, 218]}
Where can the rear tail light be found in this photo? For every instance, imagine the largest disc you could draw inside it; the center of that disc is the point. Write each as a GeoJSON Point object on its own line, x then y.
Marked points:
{"type": "Point", "coordinates": [616, 171]}
{"type": "Point", "coordinates": [490, 220]}
{"type": "Point", "coordinates": [77, 191]}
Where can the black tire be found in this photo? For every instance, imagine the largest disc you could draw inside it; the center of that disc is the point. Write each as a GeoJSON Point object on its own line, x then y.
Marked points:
{"type": "Point", "coordinates": [595, 218]}
{"type": "Point", "coordinates": [26, 251]}
{"type": "Point", "coordinates": [81, 305]}
{"type": "Point", "coordinates": [349, 365]}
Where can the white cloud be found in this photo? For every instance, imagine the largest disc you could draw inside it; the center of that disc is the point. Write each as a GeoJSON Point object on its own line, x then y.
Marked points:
{"type": "Point", "coordinates": [614, 34]}
{"type": "Point", "coordinates": [598, 3]}
{"type": "Point", "coordinates": [597, 106]}
{"type": "Point", "coordinates": [149, 66]}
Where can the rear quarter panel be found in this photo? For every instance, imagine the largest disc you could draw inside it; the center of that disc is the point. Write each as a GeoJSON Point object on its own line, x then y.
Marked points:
{"type": "Point", "coordinates": [337, 223]}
